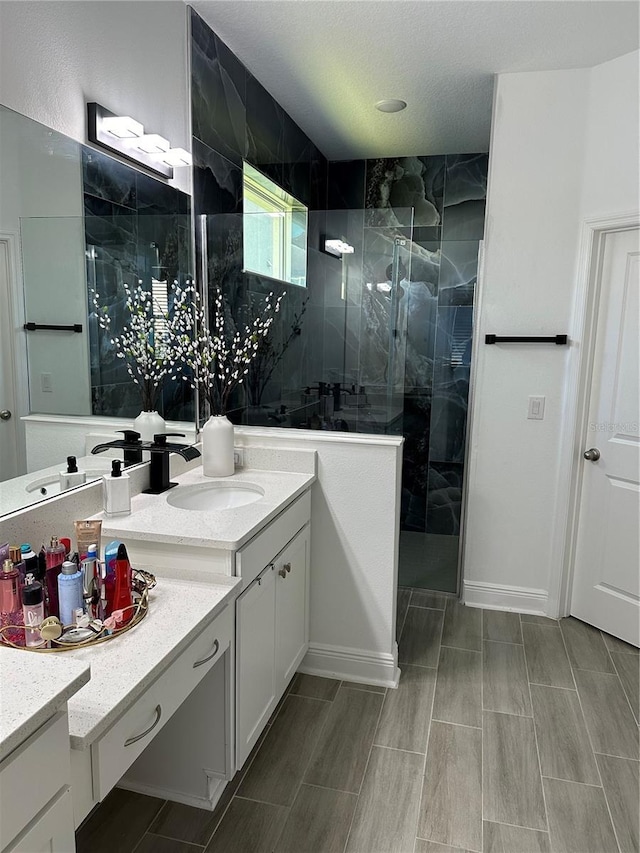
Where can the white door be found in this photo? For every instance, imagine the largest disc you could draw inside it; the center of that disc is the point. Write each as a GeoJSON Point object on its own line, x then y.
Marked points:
{"type": "Point", "coordinates": [292, 611]}
{"type": "Point", "coordinates": [606, 589]}
{"type": "Point", "coordinates": [255, 661]}
{"type": "Point", "coordinates": [8, 412]}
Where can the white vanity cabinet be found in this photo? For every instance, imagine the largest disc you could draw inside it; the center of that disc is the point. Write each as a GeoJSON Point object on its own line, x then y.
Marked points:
{"type": "Point", "coordinates": [35, 806]}
{"type": "Point", "coordinates": [272, 626]}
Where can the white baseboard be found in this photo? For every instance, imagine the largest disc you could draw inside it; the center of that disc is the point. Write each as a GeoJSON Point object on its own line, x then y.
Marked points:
{"type": "Point", "coordinates": [351, 665]}
{"type": "Point", "coordinates": [498, 597]}
{"type": "Point", "coordinates": [216, 787]}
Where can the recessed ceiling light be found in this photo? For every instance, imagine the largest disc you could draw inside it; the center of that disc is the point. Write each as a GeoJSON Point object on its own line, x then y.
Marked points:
{"type": "Point", "coordinates": [391, 105]}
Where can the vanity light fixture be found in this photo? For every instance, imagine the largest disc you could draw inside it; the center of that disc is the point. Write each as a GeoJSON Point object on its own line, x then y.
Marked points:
{"type": "Point", "coordinates": [338, 248]}
{"type": "Point", "coordinates": [125, 136]}
{"type": "Point", "coordinates": [123, 127]}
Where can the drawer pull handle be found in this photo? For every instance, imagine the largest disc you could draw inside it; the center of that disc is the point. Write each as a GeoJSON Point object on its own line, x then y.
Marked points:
{"type": "Point", "coordinates": [287, 567]}
{"type": "Point", "coordinates": [216, 648]}
{"type": "Point", "coordinates": [136, 738]}
{"type": "Point", "coordinates": [282, 573]}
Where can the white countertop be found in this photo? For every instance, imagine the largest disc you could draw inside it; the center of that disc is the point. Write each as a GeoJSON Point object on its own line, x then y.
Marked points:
{"type": "Point", "coordinates": [122, 669]}
{"type": "Point", "coordinates": [153, 519]}
{"type": "Point", "coordinates": [32, 688]}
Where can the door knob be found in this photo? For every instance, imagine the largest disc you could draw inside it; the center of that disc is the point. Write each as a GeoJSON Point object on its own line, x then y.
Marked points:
{"type": "Point", "coordinates": [5, 415]}
{"type": "Point", "coordinates": [282, 573]}
{"type": "Point", "coordinates": [592, 455]}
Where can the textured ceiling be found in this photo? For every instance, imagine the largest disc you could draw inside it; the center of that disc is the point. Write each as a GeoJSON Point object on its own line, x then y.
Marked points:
{"type": "Point", "coordinates": [328, 61]}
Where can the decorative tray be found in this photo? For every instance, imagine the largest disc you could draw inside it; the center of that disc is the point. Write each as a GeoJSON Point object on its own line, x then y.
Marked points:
{"type": "Point", "coordinates": [141, 583]}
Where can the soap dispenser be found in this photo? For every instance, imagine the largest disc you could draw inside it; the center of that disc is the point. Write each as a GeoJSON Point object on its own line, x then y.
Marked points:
{"type": "Point", "coordinates": [117, 491]}
{"type": "Point", "coordinates": [71, 477]}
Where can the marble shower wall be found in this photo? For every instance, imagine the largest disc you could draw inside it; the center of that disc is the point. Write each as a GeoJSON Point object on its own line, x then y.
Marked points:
{"type": "Point", "coordinates": [135, 227]}
{"type": "Point", "coordinates": [436, 204]}
{"type": "Point", "coordinates": [234, 118]}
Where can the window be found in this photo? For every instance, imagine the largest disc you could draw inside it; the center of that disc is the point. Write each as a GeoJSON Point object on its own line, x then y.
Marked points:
{"type": "Point", "coordinates": [274, 230]}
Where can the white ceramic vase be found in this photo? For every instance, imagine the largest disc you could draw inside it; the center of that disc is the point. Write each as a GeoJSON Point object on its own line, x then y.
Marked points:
{"type": "Point", "coordinates": [217, 447]}
{"type": "Point", "coordinates": [149, 424]}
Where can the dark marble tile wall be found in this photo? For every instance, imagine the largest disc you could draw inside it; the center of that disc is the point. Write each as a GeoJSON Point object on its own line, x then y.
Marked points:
{"type": "Point", "coordinates": [443, 199]}
{"type": "Point", "coordinates": [234, 119]}
{"type": "Point", "coordinates": [136, 227]}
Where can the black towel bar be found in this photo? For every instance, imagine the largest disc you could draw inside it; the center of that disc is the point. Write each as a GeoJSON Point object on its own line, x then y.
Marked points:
{"type": "Point", "coordinates": [559, 340]}
{"type": "Point", "coordinates": [34, 327]}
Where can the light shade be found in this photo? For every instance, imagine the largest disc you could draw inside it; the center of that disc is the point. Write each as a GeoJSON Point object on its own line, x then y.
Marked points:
{"type": "Point", "coordinates": [153, 143]}
{"type": "Point", "coordinates": [176, 157]}
{"type": "Point", "coordinates": [338, 247]}
{"type": "Point", "coordinates": [123, 127]}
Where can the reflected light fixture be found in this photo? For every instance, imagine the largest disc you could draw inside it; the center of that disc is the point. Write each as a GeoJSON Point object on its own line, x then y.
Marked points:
{"type": "Point", "coordinates": [391, 105]}
{"type": "Point", "coordinates": [125, 136]}
{"type": "Point", "coordinates": [338, 248]}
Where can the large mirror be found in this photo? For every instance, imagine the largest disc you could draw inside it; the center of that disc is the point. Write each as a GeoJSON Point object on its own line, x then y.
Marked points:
{"type": "Point", "coordinates": [79, 230]}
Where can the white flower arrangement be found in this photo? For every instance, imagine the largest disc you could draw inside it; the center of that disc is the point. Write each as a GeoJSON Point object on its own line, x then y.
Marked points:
{"type": "Point", "coordinates": [144, 342]}
{"type": "Point", "coordinates": [218, 359]}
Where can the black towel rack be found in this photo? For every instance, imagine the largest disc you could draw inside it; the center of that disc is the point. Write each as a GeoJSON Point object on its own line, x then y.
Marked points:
{"type": "Point", "coordinates": [35, 327]}
{"type": "Point", "coordinates": [559, 340]}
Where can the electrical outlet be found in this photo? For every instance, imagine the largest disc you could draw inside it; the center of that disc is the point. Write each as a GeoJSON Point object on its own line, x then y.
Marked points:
{"type": "Point", "coordinates": [46, 383]}
{"type": "Point", "coordinates": [238, 457]}
{"type": "Point", "coordinates": [536, 409]}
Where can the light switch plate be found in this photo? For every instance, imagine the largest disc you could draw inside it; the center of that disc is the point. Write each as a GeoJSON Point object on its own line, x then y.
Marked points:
{"type": "Point", "coordinates": [46, 383]}
{"type": "Point", "coordinates": [536, 408]}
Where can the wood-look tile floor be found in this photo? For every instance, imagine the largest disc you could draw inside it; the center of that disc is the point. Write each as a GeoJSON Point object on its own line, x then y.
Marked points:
{"type": "Point", "coordinates": [507, 734]}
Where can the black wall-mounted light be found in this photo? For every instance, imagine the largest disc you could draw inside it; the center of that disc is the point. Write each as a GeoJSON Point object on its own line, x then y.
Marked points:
{"type": "Point", "coordinates": [125, 136]}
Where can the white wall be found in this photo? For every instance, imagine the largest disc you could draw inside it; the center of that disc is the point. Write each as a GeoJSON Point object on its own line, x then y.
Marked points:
{"type": "Point", "coordinates": [564, 147]}
{"type": "Point", "coordinates": [131, 57]}
{"type": "Point", "coordinates": [355, 523]}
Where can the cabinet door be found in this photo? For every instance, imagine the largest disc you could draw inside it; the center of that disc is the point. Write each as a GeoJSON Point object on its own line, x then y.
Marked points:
{"type": "Point", "coordinates": [255, 655]}
{"type": "Point", "coordinates": [292, 607]}
{"type": "Point", "coordinates": [52, 832]}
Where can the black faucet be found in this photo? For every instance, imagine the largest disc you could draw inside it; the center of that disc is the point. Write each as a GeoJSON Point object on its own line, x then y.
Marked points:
{"type": "Point", "coordinates": [131, 445]}
{"type": "Point", "coordinates": [159, 478]}
{"type": "Point", "coordinates": [159, 448]}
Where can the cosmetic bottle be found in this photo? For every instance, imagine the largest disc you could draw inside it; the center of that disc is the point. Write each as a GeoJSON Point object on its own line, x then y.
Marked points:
{"type": "Point", "coordinates": [69, 592]}
{"type": "Point", "coordinates": [55, 556]}
{"type": "Point", "coordinates": [31, 564]}
{"type": "Point", "coordinates": [11, 604]}
{"type": "Point", "coordinates": [33, 613]}
{"type": "Point", "coordinates": [90, 576]}
{"type": "Point", "coordinates": [71, 477]}
{"type": "Point", "coordinates": [15, 555]}
{"type": "Point", "coordinates": [122, 599]}
{"type": "Point", "coordinates": [117, 491]}
{"type": "Point", "coordinates": [109, 580]}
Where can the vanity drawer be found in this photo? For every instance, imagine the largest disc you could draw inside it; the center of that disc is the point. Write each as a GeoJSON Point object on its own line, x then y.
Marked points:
{"type": "Point", "coordinates": [116, 751]}
{"type": "Point", "coordinates": [32, 775]}
{"type": "Point", "coordinates": [255, 555]}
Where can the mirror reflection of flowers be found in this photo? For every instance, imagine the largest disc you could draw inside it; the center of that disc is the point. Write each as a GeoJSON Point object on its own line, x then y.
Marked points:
{"type": "Point", "coordinates": [218, 358]}
{"type": "Point", "coordinates": [143, 341]}
{"type": "Point", "coordinates": [269, 355]}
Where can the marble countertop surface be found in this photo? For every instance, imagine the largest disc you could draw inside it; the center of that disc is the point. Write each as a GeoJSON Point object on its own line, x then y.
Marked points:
{"type": "Point", "coordinates": [154, 519]}
{"type": "Point", "coordinates": [122, 670]}
{"type": "Point", "coordinates": [32, 689]}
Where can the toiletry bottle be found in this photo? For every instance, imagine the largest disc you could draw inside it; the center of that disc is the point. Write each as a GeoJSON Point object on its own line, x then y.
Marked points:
{"type": "Point", "coordinates": [15, 554]}
{"type": "Point", "coordinates": [89, 568]}
{"type": "Point", "coordinates": [69, 592]}
{"type": "Point", "coordinates": [33, 612]}
{"type": "Point", "coordinates": [109, 580]}
{"type": "Point", "coordinates": [71, 477]}
{"type": "Point", "coordinates": [31, 564]}
{"type": "Point", "coordinates": [55, 557]}
{"type": "Point", "coordinates": [122, 599]}
{"type": "Point", "coordinates": [11, 604]}
{"type": "Point", "coordinates": [117, 492]}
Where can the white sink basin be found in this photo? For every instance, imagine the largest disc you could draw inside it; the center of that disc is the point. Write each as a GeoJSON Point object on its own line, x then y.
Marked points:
{"type": "Point", "coordinates": [51, 485]}
{"type": "Point", "coordinates": [214, 496]}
